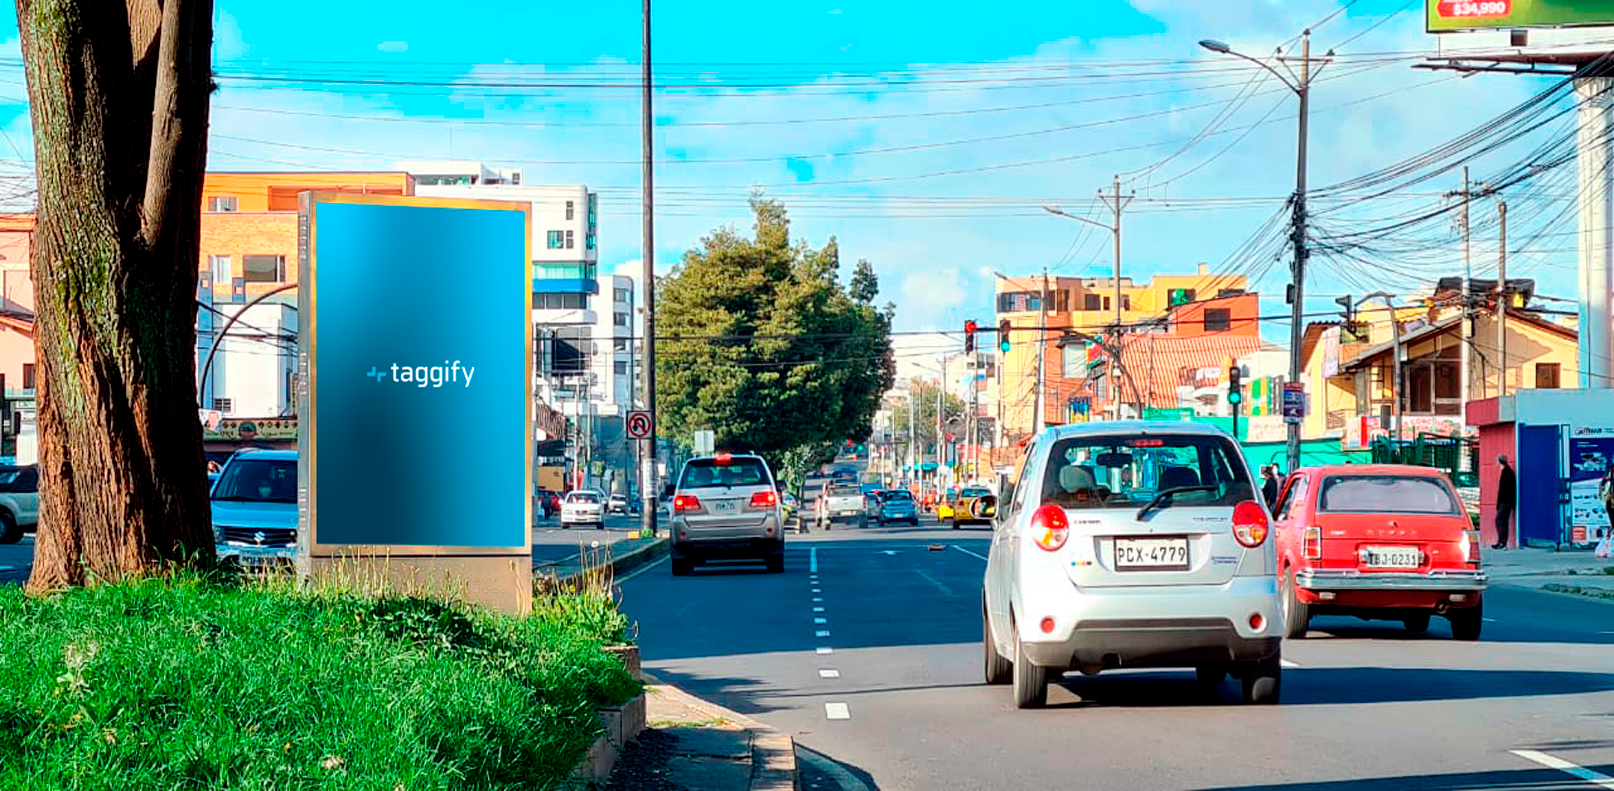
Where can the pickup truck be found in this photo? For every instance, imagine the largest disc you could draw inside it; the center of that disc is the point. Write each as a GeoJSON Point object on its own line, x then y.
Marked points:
{"type": "Point", "coordinates": [841, 503]}
{"type": "Point", "coordinates": [19, 502]}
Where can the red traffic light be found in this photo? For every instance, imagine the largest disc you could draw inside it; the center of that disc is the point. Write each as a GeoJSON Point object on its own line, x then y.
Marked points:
{"type": "Point", "coordinates": [970, 326]}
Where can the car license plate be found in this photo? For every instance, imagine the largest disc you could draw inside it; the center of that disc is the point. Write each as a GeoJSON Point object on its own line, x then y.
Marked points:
{"type": "Point", "coordinates": [846, 513]}
{"type": "Point", "coordinates": [1151, 554]}
{"type": "Point", "coordinates": [723, 506]}
{"type": "Point", "coordinates": [1392, 557]}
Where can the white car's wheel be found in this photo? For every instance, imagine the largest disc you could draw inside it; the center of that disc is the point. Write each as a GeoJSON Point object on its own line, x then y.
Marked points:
{"type": "Point", "coordinates": [1263, 681]}
{"type": "Point", "coordinates": [998, 669]}
{"type": "Point", "coordinates": [1030, 681]}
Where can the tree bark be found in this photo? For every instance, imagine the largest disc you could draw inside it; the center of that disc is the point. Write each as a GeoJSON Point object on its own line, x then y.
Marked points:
{"type": "Point", "coordinates": [119, 98]}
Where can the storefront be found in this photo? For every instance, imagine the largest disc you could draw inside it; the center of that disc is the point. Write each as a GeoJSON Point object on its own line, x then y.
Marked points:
{"type": "Point", "coordinates": [1560, 443]}
{"type": "Point", "coordinates": [220, 438]}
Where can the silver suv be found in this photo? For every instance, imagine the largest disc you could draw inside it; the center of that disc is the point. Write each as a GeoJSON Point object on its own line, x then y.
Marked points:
{"type": "Point", "coordinates": [1132, 545]}
{"type": "Point", "coordinates": [726, 506]}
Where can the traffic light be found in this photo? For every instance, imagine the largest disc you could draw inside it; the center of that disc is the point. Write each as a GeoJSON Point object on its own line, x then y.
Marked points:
{"type": "Point", "coordinates": [1003, 335]}
{"type": "Point", "coordinates": [969, 336]}
{"type": "Point", "coordinates": [1235, 392]}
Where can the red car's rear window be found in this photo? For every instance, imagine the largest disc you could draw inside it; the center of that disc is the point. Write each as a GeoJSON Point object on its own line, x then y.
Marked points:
{"type": "Point", "coordinates": [1374, 494]}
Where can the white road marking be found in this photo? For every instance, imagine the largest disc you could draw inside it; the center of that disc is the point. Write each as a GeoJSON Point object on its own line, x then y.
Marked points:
{"type": "Point", "coordinates": [821, 633]}
{"type": "Point", "coordinates": [1489, 620]}
{"type": "Point", "coordinates": [818, 598]}
{"type": "Point", "coordinates": [932, 580]}
{"type": "Point", "coordinates": [967, 552]}
{"type": "Point", "coordinates": [818, 609]}
{"type": "Point", "coordinates": [818, 590]}
{"type": "Point", "coordinates": [824, 649]}
{"type": "Point", "coordinates": [1287, 663]}
{"type": "Point", "coordinates": [8, 568]}
{"type": "Point", "coordinates": [837, 711]}
{"type": "Point", "coordinates": [826, 673]}
{"type": "Point", "coordinates": [630, 575]}
{"type": "Point", "coordinates": [812, 562]}
{"type": "Point", "coordinates": [1595, 778]}
{"type": "Point", "coordinates": [820, 620]}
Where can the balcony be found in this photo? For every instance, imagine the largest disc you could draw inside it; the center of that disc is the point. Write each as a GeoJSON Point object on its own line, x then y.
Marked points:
{"type": "Point", "coordinates": [581, 277]}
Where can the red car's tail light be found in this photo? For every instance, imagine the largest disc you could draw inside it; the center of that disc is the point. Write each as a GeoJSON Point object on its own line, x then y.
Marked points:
{"type": "Point", "coordinates": [764, 499]}
{"type": "Point", "coordinates": [685, 502]}
{"type": "Point", "coordinates": [1312, 543]}
{"type": "Point", "coordinates": [1049, 527]}
{"type": "Point", "coordinates": [1249, 523]}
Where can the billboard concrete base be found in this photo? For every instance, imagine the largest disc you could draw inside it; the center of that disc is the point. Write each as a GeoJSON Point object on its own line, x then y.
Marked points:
{"type": "Point", "coordinates": [501, 583]}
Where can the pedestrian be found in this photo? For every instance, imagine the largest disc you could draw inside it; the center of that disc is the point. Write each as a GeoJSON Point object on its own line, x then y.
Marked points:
{"type": "Point", "coordinates": [1605, 491]}
{"type": "Point", "coordinates": [1269, 485]}
{"type": "Point", "coordinates": [1506, 498]}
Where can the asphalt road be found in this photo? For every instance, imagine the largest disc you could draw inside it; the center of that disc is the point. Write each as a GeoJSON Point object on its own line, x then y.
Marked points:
{"type": "Point", "coordinates": [873, 664]}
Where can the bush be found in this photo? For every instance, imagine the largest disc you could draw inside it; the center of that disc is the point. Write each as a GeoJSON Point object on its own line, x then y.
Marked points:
{"type": "Point", "coordinates": [184, 683]}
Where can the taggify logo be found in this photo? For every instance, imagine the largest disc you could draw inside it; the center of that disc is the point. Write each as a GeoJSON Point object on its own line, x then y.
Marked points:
{"type": "Point", "coordinates": [423, 375]}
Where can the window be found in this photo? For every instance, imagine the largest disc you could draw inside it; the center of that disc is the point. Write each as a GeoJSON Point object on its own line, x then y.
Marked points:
{"type": "Point", "coordinates": [1064, 302]}
{"type": "Point", "coordinates": [1547, 376]}
{"type": "Point", "coordinates": [619, 345]}
{"type": "Point", "coordinates": [739, 471]}
{"type": "Point", "coordinates": [222, 203]}
{"type": "Point", "coordinates": [624, 295]}
{"type": "Point", "coordinates": [264, 268]}
{"type": "Point", "coordinates": [1362, 494]}
{"type": "Point", "coordinates": [1106, 303]}
{"type": "Point", "coordinates": [515, 178]}
{"type": "Point", "coordinates": [1218, 319]}
{"type": "Point", "coordinates": [621, 367]}
{"type": "Point", "coordinates": [258, 481]}
{"type": "Point", "coordinates": [561, 301]}
{"type": "Point", "coordinates": [569, 210]}
{"type": "Point", "coordinates": [557, 239]}
{"type": "Point", "coordinates": [619, 319]}
{"type": "Point", "coordinates": [568, 240]}
{"type": "Point", "coordinates": [1126, 302]}
{"type": "Point", "coordinates": [1292, 503]}
{"type": "Point", "coordinates": [225, 405]}
{"type": "Point", "coordinates": [1090, 302]}
{"type": "Point", "coordinates": [27, 376]}
{"type": "Point", "coordinates": [1128, 471]}
{"type": "Point", "coordinates": [222, 272]}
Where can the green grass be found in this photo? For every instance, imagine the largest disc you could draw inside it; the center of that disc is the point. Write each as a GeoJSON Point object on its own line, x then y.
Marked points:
{"type": "Point", "coordinates": [185, 683]}
{"type": "Point", "coordinates": [1596, 593]}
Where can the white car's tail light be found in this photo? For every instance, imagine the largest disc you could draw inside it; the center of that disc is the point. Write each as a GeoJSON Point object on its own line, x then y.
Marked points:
{"type": "Point", "coordinates": [1312, 543]}
{"type": "Point", "coordinates": [1249, 523]}
{"type": "Point", "coordinates": [1049, 527]}
{"type": "Point", "coordinates": [764, 499]}
{"type": "Point", "coordinates": [686, 502]}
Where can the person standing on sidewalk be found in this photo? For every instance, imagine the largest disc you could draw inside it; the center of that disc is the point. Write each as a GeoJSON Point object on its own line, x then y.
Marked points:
{"type": "Point", "coordinates": [1507, 493]}
{"type": "Point", "coordinates": [1269, 486]}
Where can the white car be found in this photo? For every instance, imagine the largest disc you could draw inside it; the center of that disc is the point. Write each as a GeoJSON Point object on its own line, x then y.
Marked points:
{"type": "Point", "coordinates": [618, 504]}
{"type": "Point", "coordinates": [583, 507]}
{"type": "Point", "coordinates": [1132, 545]}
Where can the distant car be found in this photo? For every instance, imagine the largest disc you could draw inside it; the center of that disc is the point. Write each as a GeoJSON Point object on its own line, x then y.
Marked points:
{"type": "Point", "coordinates": [897, 505]}
{"type": "Point", "coordinates": [726, 506]}
{"type": "Point", "coordinates": [583, 507]}
{"type": "Point", "coordinates": [840, 503]}
{"type": "Point", "coordinates": [946, 505]}
{"type": "Point", "coordinates": [618, 504]}
{"type": "Point", "coordinates": [255, 509]}
{"type": "Point", "coordinates": [974, 505]}
{"type": "Point", "coordinates": [1386, 542]}
{"type": "Point", "coordinates": [1132, 544]}
{"type": "Point", "coordinates": [19, 501]}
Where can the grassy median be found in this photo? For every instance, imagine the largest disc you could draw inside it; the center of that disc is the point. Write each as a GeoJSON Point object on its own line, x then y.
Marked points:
{"type": "Point", "coordinates": [190, 683]}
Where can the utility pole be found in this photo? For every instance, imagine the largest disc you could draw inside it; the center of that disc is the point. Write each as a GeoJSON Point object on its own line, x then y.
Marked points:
{"type": "Point", "coordinates": [1116, 204]}
{"type": "Point", "coordinates": [1468, 278]}
{"type": "Point", "coordinates": [1042, 347]}
{"type": "Point", "coordinates": [1502, 304]}
{"type": "Point", "coordinates": [913, 438]}
{"type": "Point", "coordinates": [648, 474]}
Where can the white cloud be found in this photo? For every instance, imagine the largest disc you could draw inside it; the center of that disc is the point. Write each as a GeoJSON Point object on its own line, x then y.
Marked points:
{"type": "Point", "coordinates": [835, 12]}
{"type": "Point", "coordinates": [393, 46]}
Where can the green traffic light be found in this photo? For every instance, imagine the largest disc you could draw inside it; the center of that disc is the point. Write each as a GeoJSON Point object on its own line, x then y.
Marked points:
{"type": "Point", "coordinates": [1235, 398]}
{"type": "Point", "coordinates": [1004, 347]}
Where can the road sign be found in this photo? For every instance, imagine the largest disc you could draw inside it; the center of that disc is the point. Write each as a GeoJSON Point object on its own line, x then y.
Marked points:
{"type": "Point", "coordinates": [705, 442]}
{"type": "Point", "coordinates": [639, 424]}
{"type": "Point", "coordinates": [1294, 402]}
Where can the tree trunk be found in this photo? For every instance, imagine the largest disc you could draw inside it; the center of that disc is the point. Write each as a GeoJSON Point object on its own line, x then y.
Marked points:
{"type": "Point", "coordinates": [120, 105]}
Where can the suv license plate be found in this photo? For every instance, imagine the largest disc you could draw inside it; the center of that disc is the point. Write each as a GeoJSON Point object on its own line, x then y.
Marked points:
{"type": "Point", "coordinates": [1151, 554]}
{"type": "Point", "coordinates": [723, 506]}
{"type": "Point", "coordinates": [1392, 557]}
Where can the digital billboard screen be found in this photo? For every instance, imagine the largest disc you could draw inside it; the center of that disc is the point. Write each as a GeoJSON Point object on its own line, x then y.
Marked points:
{"type": "Point", "coordinates": [1460, 15]}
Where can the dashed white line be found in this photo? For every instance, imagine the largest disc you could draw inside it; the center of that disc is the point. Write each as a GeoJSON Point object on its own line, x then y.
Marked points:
{"type": "Point", "coordinates": [1287, 663]}
{"type": "Point", "coordinates": [820, 620]}
{"type": "Point", "coordinates": [1489, 620]}
{"type": "Point", "coordinates": [818, 609]}
{"type": "Point", "coordinates": [967, 552]}
{"type": "Point", "coordinates": [821, 633]}
{"type": "Point", "coordinates": [817, 599]}
{"type": "Point", "coordinates": [837, 711]}
{"type": "Point", "coordinates": [824, 649]}
{"type": "Point", "coordinates": [828, 673]}
{"type": "Point", "coordinates": [817, 590]}
{"type": "Point", "coordinates": [812, 562]}
{"type": "Point", "coordinates": [1551, 762]}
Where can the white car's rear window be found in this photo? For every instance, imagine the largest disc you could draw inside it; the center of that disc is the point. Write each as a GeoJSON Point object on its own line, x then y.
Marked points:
{"type": "Point", "coordinates": [1129, 471]}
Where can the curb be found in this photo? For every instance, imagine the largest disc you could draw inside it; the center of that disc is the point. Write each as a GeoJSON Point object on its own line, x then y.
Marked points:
{"type": "Point", "coordinates": [566, 571]}
{"type": "Point", "coordinates": [773, 752]}
{"type": "Point", "coordinates": [622, 724]}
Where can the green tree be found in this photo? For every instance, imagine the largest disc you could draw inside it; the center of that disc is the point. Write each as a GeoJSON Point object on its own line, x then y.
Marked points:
{"type": "Point", "coordinates": [759, 342]}
{"type": "Point", "coordinates": [924, 409]}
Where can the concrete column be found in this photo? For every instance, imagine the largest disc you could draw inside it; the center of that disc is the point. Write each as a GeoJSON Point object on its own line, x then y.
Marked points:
{"type": "Point", "coordinates": [1596, 230]}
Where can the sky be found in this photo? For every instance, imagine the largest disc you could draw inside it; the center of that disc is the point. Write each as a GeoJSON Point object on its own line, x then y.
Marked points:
{"type": "Point", "coordinates": [925, 137]}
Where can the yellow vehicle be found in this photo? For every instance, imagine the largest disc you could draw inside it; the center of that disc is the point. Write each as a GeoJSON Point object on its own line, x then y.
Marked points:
{"type": "Point", "coordinates": [974, 505]}
{"type": "Point", "coordinates": [944, 508]}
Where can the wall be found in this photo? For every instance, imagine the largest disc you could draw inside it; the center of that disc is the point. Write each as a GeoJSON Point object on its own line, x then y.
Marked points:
{"type": "Point", "coordinates": [271, 191]}
{"type": "Point", "coordinates": [239, 234]}
{"type": "Point", "coordinates": [252, 370]}
{"type": "Point", "coordinates": [1527, 345]}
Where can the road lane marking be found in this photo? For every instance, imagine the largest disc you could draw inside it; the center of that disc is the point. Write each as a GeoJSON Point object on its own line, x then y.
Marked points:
{"type": "Point", "coordinates": [1595, 778]}
{"type": "Point", "coordinates": [967, 552]}
{"type": "Point", "coordinates": [932, 580]}
{"type": "Point", "coordinates": [630, 575]}
{"type": "Point", "coordinates": [1287, 663]}
{"type": "Point", "coordinates": [1489, 620]}
{"type": "Point", "coordinates": [812, 562]}
{"type": "Point", "coordinates": [827, 673]}
{"type": "Point", "coordinates": [820, 620]}
{"type": "Point", "coordinates": [818, 609]}
{"type": "Point", "coordinates": [821, 633]}
{"type": "Point", "coordinates": [818, 598]}
{"type": "Point", "coordinates": [837, 711]}
{"type": "Point", "coordinates": [818, 590]}
{"type": "Point", "coordinates": [824, 649]}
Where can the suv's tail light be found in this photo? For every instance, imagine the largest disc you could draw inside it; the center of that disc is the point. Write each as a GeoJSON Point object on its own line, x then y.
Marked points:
{"type": "Point", "coordinates": [1049, 527]}
{"type": "Point", "coordinates": [1311, 543]}
{"type": "Point", "coordinates": [764, 499]}
{"type": "Point", "coordinates": [1249, 523]}
{"type": "Point", "coordinates": [685, 502]}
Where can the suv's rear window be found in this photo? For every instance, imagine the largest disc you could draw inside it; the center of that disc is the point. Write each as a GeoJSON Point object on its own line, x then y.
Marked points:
{"type": "Point", "coordinates": [1128, 471]}
{"type": "Point", "coordinates": [1373, 494]}
{"type": "Point", "coordinates": [733, 472]}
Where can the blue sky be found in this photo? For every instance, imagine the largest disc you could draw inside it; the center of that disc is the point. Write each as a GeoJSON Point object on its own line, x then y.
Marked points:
{"type": "Point", "coordinates": [901, 175]}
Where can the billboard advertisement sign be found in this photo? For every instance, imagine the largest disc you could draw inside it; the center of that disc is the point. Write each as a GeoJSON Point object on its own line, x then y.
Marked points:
{"type": "Point", "coordinates": [1460, 15]}
{"type": "Point", "coordinates": [1589, 458]}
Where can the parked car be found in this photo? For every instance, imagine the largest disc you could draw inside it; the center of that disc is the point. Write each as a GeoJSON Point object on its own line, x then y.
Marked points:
{"type": "Point", "coordinates": [840, 503]}
{"type": "Point", "coordinates": [583, 507]}
{"type": "Point", "coordinates": [726, 506]}
{"type": "Point", "coordinates": [19, 501]}
{"type": "Point", "coordinates": [897, 505]}
{"type": "Point", "coordinates": [1380, 542]}
{"type": "Point", "coordinates": [255, 509]}
{"type": "Point", "coordinates": [1135, 544]}
{"type": "Point", "coordinates": [618, 504]}
{"type": "Point", "coordinates": [975, 505]}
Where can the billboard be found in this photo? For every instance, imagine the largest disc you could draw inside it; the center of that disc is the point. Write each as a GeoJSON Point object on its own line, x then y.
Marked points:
{"type": "Point", "coordinates": [1457, 15]}
{"type": "Point", "coordinates": [416, 370]}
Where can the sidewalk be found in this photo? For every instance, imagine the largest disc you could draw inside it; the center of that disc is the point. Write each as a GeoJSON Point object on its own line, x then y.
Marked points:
{"type": "Point", "coordinates": [1534, 568]}
{"type": "Point", "coordinates": [693, 745]}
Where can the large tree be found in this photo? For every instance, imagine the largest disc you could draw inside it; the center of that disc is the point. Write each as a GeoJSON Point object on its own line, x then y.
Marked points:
{"type": "Point", "coordinates": [760, 342]}
{"type": "Point", "coordinates": [119, 96]}
{"type": "Point", "coordinates": [924, 393]}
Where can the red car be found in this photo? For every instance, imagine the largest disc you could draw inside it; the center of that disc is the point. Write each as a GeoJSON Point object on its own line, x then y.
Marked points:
{"type": "Point", "coordinates": [1380, 542]}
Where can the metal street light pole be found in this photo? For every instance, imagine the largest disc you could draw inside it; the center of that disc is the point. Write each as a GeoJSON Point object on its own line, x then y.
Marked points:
{"type": "Point", "coordinates": [1302, 89]}
{"type": "Point", "coordinates": [648, 474]}
{"type": "Point", "coordinates": [1116, 205]}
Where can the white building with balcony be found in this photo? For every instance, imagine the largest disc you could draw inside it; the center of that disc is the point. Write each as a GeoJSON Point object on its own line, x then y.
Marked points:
{"type": "Point", "coordinates": [254, 371]}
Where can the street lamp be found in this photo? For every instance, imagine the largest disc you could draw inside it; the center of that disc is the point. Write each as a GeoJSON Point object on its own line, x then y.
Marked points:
{"type": "Point", "coordinates": [1301, 85]}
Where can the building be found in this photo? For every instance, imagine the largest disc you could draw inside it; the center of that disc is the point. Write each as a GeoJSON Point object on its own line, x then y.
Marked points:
{"type": "Point", "coordinates": [256, 364]}
{"type": "Point", "coordinates": [1173, 324]}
